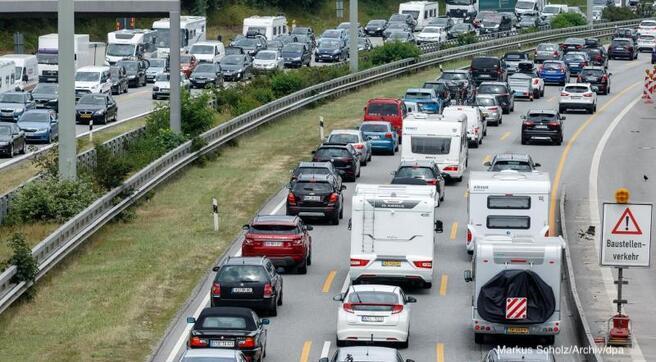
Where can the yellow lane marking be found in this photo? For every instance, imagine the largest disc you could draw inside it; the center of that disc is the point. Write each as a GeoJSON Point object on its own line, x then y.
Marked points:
{"type": "Point", "coordinates": [443, 284]}
{"type": "Point", "coordinates": [487, 158]}
{"type": "Point", "coordinates": [329, 281]}
{"type": "Point", "coordinates": [454, 230]}
{"type": "Point", "coordinates": [439, 351]}
{"type": "Point", "coordinates": [505, 135]}
{"type": "Point", "coordinates": [305, 353]}
{"type": "Point", "coordinates": [466, 193]}
{"type": "Point", "coordinates": [563, 157]}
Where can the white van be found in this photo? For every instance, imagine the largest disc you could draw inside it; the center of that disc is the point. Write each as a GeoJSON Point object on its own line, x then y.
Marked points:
{"type": "Point", "coordinates": [508, 203]}
{"type": "Point", "coordinates": [476, 123]}
{"type": "Point", "coordinates": [528, 7]}
{"type": "Point", "coordinates": [381, 251]}
{"type": "Point", "coordinates": [422, 11]}
{"type": "Point", "coordinates": [444, 142]}
{"type": "Point", "coordinates": [130, 44]}
{"type": "Point", "coordinates": [269, 26]}
{"type": "Point", "coordinates": [7, 75]}
{"type": "Point", "coordinates": [211, 51]}
{"type": "Point", "coordinates": [92, 80]}
{"type": "Point", "coordinates": [27, 70]}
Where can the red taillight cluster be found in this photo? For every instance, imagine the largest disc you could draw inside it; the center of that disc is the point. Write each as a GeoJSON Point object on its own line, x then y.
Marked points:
{"type": "Point", "coordinates": [333, 198]}
{"type": "Point", "coordinates": [359, 146]}
{"type": "Point", "coordinates": [291, 199]}
{"type": "Point", "coordinates": [268, 290]}
{"type": "Point", "coordinates": [388, 135]}
{"type": "Point", "coordinates": [248, 342]}
{"type": "Point", "coordinates": [359, 262]}
{"type": "Point", "coordinates": [553, 125]}
{"type": "Point", "coordinates": [424, 264]}
{"type": "Point", "coordinates": [555, 53]}
{"type": "Point", "coordinates": [348, 307]}
{"type": "Point", "coordinates": [469, 236]}
{"type": "Point", "coordinates": [579, 79]}
{"type": "Point", "coordinates": [604, 79]}
{"type": "Point", "coordinates": [587, 94]}
{"type": "Point", "coordinates": [536, 81]}
{"type": "Point", "coordinates": [216, 289]}
{"type": "Point", "coordinates": [431, 181]}
{"type": "Point", "coordinates": [198, 342]}
{"type": "Point", "coordinates": [451, 168]}
{"type": "Point", "coordinates": [528, 124]}
{"type": "Point", "coordinates": [397, 308]}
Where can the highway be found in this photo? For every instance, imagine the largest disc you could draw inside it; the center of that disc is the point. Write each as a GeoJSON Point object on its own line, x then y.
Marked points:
{"type": "Point", "coordinates": [440, 330]}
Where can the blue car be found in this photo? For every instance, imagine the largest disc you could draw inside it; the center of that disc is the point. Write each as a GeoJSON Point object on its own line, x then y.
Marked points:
{"type": "Point", "coordinates": [576, 61]}
{"type": "Point", "coordinates": [39, 125]}
{"type": "Point", "coordinates": [431, 103]}
{"type": "Point", "coordinates": [554, 71]}
{"type": "Point", "coordinates": [653, 56]}
{"type": "Point", "coordinates": [381, 135]}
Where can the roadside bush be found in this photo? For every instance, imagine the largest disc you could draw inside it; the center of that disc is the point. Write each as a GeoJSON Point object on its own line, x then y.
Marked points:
{"type": "Point", "coordinates": [110, 170]}
{"type": "Point", "coordinates": [528, 30]}
{"type": "Point", "coordinates": [613, 13]}
{"type": "Point", "coordinates": [284, 83]}
{"type": "Point", "coordinates": [263, 95]}
{"type": "Point", "coordinates": [245, 104]}
{"type": "Point", "coordinates": [468, 38]}
{"type": "Point", "coordinates": [26, 265]}
{"type": "Point", "coordinates": [567, 20]}
{"type": "Point", "coordinates": [393, 51]}
{"type": "Point", "coordinates": [196, 115]}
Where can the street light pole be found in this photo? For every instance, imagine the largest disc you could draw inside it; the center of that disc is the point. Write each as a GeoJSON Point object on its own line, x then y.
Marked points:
{"type": "Point", "coordinates": [353, 36]}
{"type": "Point", "coordinates": [66, 99]}
{"type": "Point", "coordinates": [174, 52]}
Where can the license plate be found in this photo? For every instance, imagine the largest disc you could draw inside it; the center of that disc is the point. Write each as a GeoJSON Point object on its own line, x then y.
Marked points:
{"type": "Point", "coordinates": [222, 344]}
{"type": "Point", "coordinates": [394, 263]}
{"type": "Point", "coordinates": [517, 330]}
{"type": "Point", "coordinates": [573, 64]}
{"type": "Point", "coordinates": [273, 243]}
{"type": "Point", "coordinates": [369, 318]}
{"type": "Point", "coordinates": [242, 290]}
{"type": "Point", "coordinates": [541, 127]}
{"type": "Point", "coordinates": [575, 97]}
{"type": "Point", "coordinates": [619, 48]}
{"type": "Point", "coordinates": [374, 137]}
{"type": "Point", "coordinates": [85, 116]}
{"type": "Point", "coordinates": [485, 76]}
{"type": "Point", "coordinates": [51, 79]}
{"type": "Point", "coordinates": [312, 198]}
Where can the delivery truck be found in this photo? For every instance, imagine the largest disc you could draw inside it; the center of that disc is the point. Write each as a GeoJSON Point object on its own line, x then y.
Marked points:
{"type": "Point", "coordinates": [48, 58]}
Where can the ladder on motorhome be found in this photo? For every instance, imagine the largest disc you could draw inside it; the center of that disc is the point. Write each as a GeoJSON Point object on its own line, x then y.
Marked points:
{"type": "Point", "coordinates": [368, 224]}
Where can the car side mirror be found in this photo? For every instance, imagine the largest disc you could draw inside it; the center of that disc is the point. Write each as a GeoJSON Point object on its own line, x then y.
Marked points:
{"type": "Point", "coordinates": [309, 227]}
{"type": "Point", "coordinates": [468, 276]}
{"type": "Point", "coordinates": [487, 163]}
{"type": "Point", "coordinates": [343, 187]}
{"type": "Point", "coordinates": [439, 226]}
{"type": "Point", "coordinates": [523, 116]}
{"type": "Point", "coordinates": [25, 78]}
{"type": "Point", "coordinates": [536, 165]}
{"type": "Point", "coordinates": [350, 224]}
{"type": "Point", "coordinates": [216, 269]}
{"type": "Point", "coordinates": [245, 227]}
{"type": "Point", "coordinates": [191, 320]}
{"type": "Point", "coordinates": [410, 300]}
{"type": "Point", "coordinates": [265, 322]}
{"type": "Point", "coordinates": [280, 270]}
{"type": "Point", "coordinates": [562, 118]}
{"type": "Point", "coordinates": [314, 151]}
{"type": "Point", "coordinates": [339, 297]}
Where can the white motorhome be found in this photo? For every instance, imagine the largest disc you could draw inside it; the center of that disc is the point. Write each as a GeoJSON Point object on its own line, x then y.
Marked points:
{"type": "Point", "coordinates": [47, 55]}
{"type": "Point", "coordinates": [462, 9]}
{"type": "Point", "coordinates": [528, 7]}
{"type": "Point", "coordinates": [129, 44]}
{"type": "Point", "coordinates": [444, 142]}
{"type": "Point", "coordinates": [211, 51]}
{"type": "Point", "coordinates": [422, 11]}
{"type": "Point", "coordinates": [382, 251]}
{"type": "Point", "coordinates": [528, 272]}
{"type": "Point", "coordinates": [27, 70]}
{"type": "Point", "coordinates": [269, 26]}
{"type": "Point", "coordinates": [7, 75]}
{"type": "Point", "coordinates": [92, 80]}
{"type": "Point", "coordinates": [508, 203]}
{"type": "Point", "coordinates": [192, 30]}
{"type": "Point", "coordinates": [476, 123]}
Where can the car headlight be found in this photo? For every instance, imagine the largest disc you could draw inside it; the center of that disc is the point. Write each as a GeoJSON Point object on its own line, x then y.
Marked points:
{"type": "Point", "coordinates": [4, 143]}
{"type": "Point", "coordinates": [41, 130]}
{"type": "Point", "coordinates": [336, 51]}
{"type": "Point", "coordinates": [100, 112]}
{"type": "Point", "coordinates": [19, 111]}
{"type": "Point", "coordinates": [240, 70]}
{"type": "Point", "coordinates": [132, 76]}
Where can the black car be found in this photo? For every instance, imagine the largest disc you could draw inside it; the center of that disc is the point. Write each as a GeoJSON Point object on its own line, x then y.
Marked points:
{"type": "Point", "coordinates": [395, 27]}
{"type": "Point", "coordinates": [426, 170]}
{"type": "Point", "coordinates": [136, 70]}
{"type": "Point", "coordinates": [622, 48]}
{"type": "Point", "coordinates": [572, 45]}
{"type": "Point", "coordinates": [511, 60]}
{"type": "Point", "coordinates": [230, 328]}
{"type": "Point", "coordinates": [251, 282]}
{"type": "Point", "coordinates": [592, 43]}
{"type": "Point", "coordinates": [461, 29]}
{"type": "Point", "coordinates": [101, 108]}
{"type": "Point", "coordinates": [330, 50]}
{"type": "Point", "coordinates": [542, 124]}
{"type": "Point", "coordinates": [119, 79]}
{"type": "Point", "coordinates": [496, 23]}
{"type": "Point", "coordinates": [625, 33]}
{"type": "Point", "coordinates": [303, 31]}
{"type": "Point", "coordinates": [503, 92]}
{"type": "Point", "coordinates": [406, 18]}
{"type": "Point", "coordinates": [597, 76]}
{"type": "Point", "coordinates": [12, 139]}
{"type": "Point", "coordinates": [45, 95]}
{"type": "Point", "coordinates": [275, 44]}
{"type": "Point", "coordinates": [316, 195]}
{"type": "Point", "coordinates": [345, 158]}
{"type": "Point", "coordinates": [375, 27]}
{"type": "Point", "coordinates": [250, 44]}
{"type": "Point", "coordinates": [598, 56]}
{"type": "Point", "coordinates": [296, 55]}
{"type": "Point", "coordinates": [316, 168]}
{"type": "Point", "coordinates": [460, 82]}
{"type": "Point", "coordinates": [206, 75]}
{"type": "Point", "coordinates": [236, 67]}
{"type": "Point", "coordinates": [486, 68]}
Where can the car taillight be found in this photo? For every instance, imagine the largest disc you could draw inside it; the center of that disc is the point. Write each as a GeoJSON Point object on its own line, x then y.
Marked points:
{"type": "Point", "coordinates": [584, 64]}
{"type": "Point", "coordinates": [555, 53]}
{"type": "Point", "coordinates": [579, 46]}
{"type": "Point", "coordinates": [553, 124]}
{"type": "Point", "coordinates": [198, 342]}
{"type": "Point", "coordinates": [491, 108]}
{"type": "Point", "coordinates": [563, 69]}
{"type": "Point", "coordinates": [348, 307]}
{"type": "Point", "coordinates": [359, 146]}
{"type": "Point", "coordinates": [291, 198]}
{"type": "Point", "coordinates": [469, 236]}
{"type": "Point", "coordinates": [397, 308]}
{"type": "Point", "coordinates": [604, 79]}
{"type": "Point", "coordinates": [268, 290]}
{"type": "Point", "coordinates": [216, 290]}
{"type": "Point", "coordinates": [431, 181]}
{"type": "Point", "coordinates": [297, 240]}
{"type": "Point", "coordinates": [536, 81]}
{"type": "Point", "coordinates": [248, 241]}
{"type": "Point", "coordinates": [587, 94]}
{"type": "Point", "coordinates": [564, 94]}
{"type": "Point", "coordinates": [388, 135]}
{"type": "Point", "coordinates": [359, 262]}
{"type": "Point", "coordinates": [333, 198]}
{"type": "Point", "coordinates": [425, 264]}
{"type": "Point", "coordinates": [528, 123]}
{"type": "Point", "coordinates": [249, 342]}
{"type": "Point", "coordinates": [451, 168]}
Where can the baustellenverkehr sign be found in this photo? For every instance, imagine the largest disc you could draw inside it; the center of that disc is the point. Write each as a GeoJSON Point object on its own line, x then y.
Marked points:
{"type": "Point", "coordinates": [626, 235]}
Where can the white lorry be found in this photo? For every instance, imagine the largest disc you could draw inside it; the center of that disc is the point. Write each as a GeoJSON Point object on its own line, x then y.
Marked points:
{"type": "Point", "coordinates": [508, 203]}
{"type": "Point", "coordinates": [26, 68]}
{"type": "Point", "coordinates": [516, 287]}
{"type": "Point", "coordinates": [437, 138]}
{"type": "Point", "coordinates": [381, 250]}
{"type": "Point", "coordinates": [7, 75]}
{"type": "Point", "coordinates": [192, 30]}
{"type": "Point", "coordinates": [269, 26]}
{"type": "Point", "coordinates": [528, 7]}
{"type": "Point", "coordinates": [47, 55]}
{"type": "Point", "coordinates": [130, 44]}
{"type": "Point", "coordinates": [422, 11]}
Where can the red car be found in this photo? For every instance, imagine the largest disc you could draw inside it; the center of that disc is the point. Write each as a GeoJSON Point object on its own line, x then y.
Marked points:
{"type": "Point", "coordinates": [188, 64]}
{"type": "Point", "coordinates": [283, 239]}
{"type": "Point", "coordinates": [392, 110]}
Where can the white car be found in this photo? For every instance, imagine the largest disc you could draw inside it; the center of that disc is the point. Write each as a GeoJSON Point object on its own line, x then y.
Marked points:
{"type": "Point", "coordinates": [162, 86]}
{"type": "Point", "coordinates": [268, 60]}
{"type": "Point", "coordinates": [92, 79]}
{"type": "Point", "coordinates": [646, 42]}
{"type": "Point", "coordinates": [374, 313]}
{"type": "Point", "coordinates": [577, 96]}
{"type": "Point", "coordinates": [355, 138]}
{"type": "Point", "coordinates": [647, 27]}
{"type": "Point", "coordinates": [431, 34]}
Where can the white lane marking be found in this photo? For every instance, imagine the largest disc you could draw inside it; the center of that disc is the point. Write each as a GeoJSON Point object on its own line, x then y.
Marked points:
{"type": "Point", "coordinates": [325, 350]}
{"type": "Point", "coordinates": [607, 276]}
{"type": "Point", "coordinates": [279, 206]}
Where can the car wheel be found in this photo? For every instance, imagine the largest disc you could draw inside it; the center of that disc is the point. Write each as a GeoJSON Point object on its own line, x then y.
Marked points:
{"type": "Point", "coordinates": [11, 151]}
{"type": "Point", "coordinates": [561, 109]}
{"type": "Point", "coordinates": [335, 219]}
{"type": "Point", "coordinates": [542, 93]}
{"type": "Point", "coordinates": [560, 141]}
{"type": "Point", "coordinates": [22, 151]}
{"type": "Point", "coordinates": [473, 144]}
{"type": "Point", "coordinates": [524, 141]}
{"type": "Point", "coordinates": [443, 196]}
{"type": "Point", "coordinates": [500, 121]}
{"type": "Point", "coordinates": [301, 269]}
{"type": "Point", "coordinates": [359, 172]}
{"type": "Point", "coordinates": [340, 343]}
{"type": "Point", "coordinates": [49, 138]}
{"type": "Point", "coordinates": [404, 344]}
{"type": "Point", "coordinates": [309, 258]}
{"type": "Point", "coordinates": [371, 154]}
{"type": "Point", "coordinates": [479, 338]}
{"type": "Point", "coordinates": [279, 301]}
{"type": "Point", "coordinates": [154, 97]}
{"type": "Point", "coordinates": [274, 310]}
{"type": "Point", "coordinates": [105, 119]}
{"type": "Point", "coordinates": [341, 213]}
{"type": "Point", "coordinates": [458, 179]}
{"type": "Point", "coordinates": [363, 164]}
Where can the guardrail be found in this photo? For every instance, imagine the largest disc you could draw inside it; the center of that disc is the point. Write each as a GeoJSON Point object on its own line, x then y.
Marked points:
{"type": "Point", "coordinates": [435, 46]}
{"type": "Point", "coordinates": [65, 239]}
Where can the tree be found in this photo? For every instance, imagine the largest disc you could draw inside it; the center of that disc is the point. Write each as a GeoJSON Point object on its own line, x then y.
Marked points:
{"type": "Point", "coordinates": [567, 20]}
{"type": "Point", "coordinates": [613, 13]}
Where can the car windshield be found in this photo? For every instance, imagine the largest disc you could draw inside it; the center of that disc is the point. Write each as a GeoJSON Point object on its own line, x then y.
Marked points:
{"type": "Point", "coordinates": [541, 117]}
{"type": "Point", "coordinates": [525, 5]}
{"type": "Point", "coordinates": [202, 49]}
{"type": "Point", "coordinates": [231, 60]}
{"type": "Point", "coordinates": [453, 76]}
{"type": "Point", "coordinates": [382, 109]}
{"type": "Point", "coordinates": [162, 77]}
{"type": "Point", "coordinates": [207, 359]}
{"type": "Point", "coordinates": [397, 17]}
{"type": "Point", "coordinates": [35, 117]}
{"type": "Point", "coordinates": [87, 76]}
{"type": "Point", "coordinates": [205, 68]}
{"type": "Point", "coordinates": [332, 152]}
{"type": "Point", "coordinates": [592, 72]}
{"type": "Point", "coordinates": [417, 95]}
{"type": "Point", "coordinates": [343, 138]}
{"type": "Point", "coordinates": [5, 131]}
{"type": "Point", "coordinates": [621, 43]}
{"type": "Point", "coordinates": [484, 62]}
{"type": "Point", "coordinates": [157, 63]}
{"type": "Point", "coordinates": [461, 27]}
{"type": "Point", "coordinates": [266, 55]}
{"type": "Point", "coordinates": [245, 42]}
{"type": "Point", "coordinates": [491, 22]}
{"type": "Point", "coordinates": [45, 88]}
{"type": "Point", "coordinates": [376, 23]}
{"type": "Point", "coordinates": [416, 172]}
{"type": "Point", "coordinates": [241, 273]}
{"type": "Point", "coordinates": [12, 98]}
{"type": "Point", "coordinates": [312, 171]}
{"type": "Point", "coordinates": [272, 229]}
{"type": "Point", "coordinates": [576, 57]}
{"type": "Point", "coordinates": [328, 44]}
{"type": "Point", "coordinates": [303, 187]}
{"type": "Point", "coordinates": [521, 166]}
{"type": "Point", "coordinates": [293, 48]}
{"type": "Point", "coordinates": [299, 30]}
{"type": "Point", "coordinates": [515, 57]}
{"type": "Point", "coordinates": [397, 26]}
{"type": "Point", "coordinates": [185, 59]}
{"type": "Point", "coordinates": [120, 50]}
{"type": "Point", "coordinates": [528, 19]}
{"type": "Point", "coordinates": [491, 89]}
{"type": "Point", "coordinates": [224, 322]}
{"type": "Point", "coordinates": [398, 35]}
{"type": "Point", "coordinates": [647, 37]}
{"type": "Point", "coordinates": [430, 145]}
{"type": "Point", "coordinates": [551, 9]}
{"type": "Point", "coordinates": [132, 66]}
{"type": "Point", "coordinates": [484, 101]}
{"type": "Point", "coordinates": [439, 22]}
{"type": "Point", "coordinates": [413, 13]}
{"type": "Point", "coordinates": [331, 34]}
{"type": "Point", "coordinates": [114, 72]}
{"type": "Point", "coordinates": [547, 47]}
{"type": "Point", "coordinates": [368, 127]}
{"type": "Point", "coordinates": [47, 58]}
{"type": "Point", "coordinates": [432, 30]}
{"type": "Point", "coordinates": [576, 41]}
{"type": "Point", "coordinates": [372, 301]}
{"type": "Point", "coordinates": [92, 99]}
{"type": "Point", "coordinates": [438, 87]}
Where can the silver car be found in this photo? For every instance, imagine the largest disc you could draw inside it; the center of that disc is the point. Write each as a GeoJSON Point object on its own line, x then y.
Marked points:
{"type": "Point", "coordinates": [547, 51]}
{"type": "Point", "coordinates": [356, 139]}
{"type": "Point", "coordinates": [366, 354]}
{"type": "Point", "coordinates": [491, 108]}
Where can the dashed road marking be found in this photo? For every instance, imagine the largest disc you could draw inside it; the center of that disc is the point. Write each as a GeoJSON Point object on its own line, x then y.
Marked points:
{"type": "Point", "coordinates": [329, 281]}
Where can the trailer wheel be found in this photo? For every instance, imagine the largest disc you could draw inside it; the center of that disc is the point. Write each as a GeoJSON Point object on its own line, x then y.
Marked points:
{"type": "Point", "coordinates": [479, 338]}
{"type": "Point", "coordinates": [549, 340]}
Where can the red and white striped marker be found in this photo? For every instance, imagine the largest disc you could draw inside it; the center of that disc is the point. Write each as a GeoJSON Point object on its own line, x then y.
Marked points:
{"type": "Point", "coordinates": [516, 308]}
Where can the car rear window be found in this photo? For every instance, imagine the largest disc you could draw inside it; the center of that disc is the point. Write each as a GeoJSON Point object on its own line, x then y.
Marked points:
{"type": "Point", "coordinates": [571, 57]}
{"type": "Point", "coordinates": [343, 138]}
{"type": "Point", "coordinates": [509, 202]}
{"type": "Point", "coordinates": [485, 62]}
{"type": "Point", "coordinates": [512, 57]}
{"type": "Point", "coordinates": [647, 37]}
{"type": "Point", "coordinates": [521, 166]}
{"type": "Point", "coordinates": [382, 109]}
{"type": "Point", "coordinates": [316, 187]}
{"type": "Point", "coordinates": [430, 145]}
{"type": "Point", "coordinates": [481, 101]}
{"type": "Point", "coordinates": [592, 72]}
{"type": "Point", "coordinates": [453, 76]}
{"type": "Point", "coordinates": [273, 229]}
{"type": "Point", "coordinates": [576, 89]}
{"type": "Point", "coordinates": [224, 322]}
{"type": "Point", "coordinates": [311, 170]}
{"type": "Point", "coordinates": [241, 273]}
{"type": "Point", "coordinates": [372, 301]}
{"type": "Point", "coordinates": [492, 89]}
{"type": "Point", "coordinates": [621, 43]}
{"type": "Point", "coordinates": [367, 127]}
{"type": "Point", "coordinates": [508, 222]}
{"type": "Point", "coordinates": [417, 95]}
{"type": "Point", "coordinates": [208, 359]}
{"type": "Point", "coordinates": [541, 117]}
{"type": "Point", "coordinates": [546, 47]}
{"type": "Point", "coordinates": [552, 66]}
{"type": "Point", "coordinates": [329, 152]}
{"type": "Point", "coordinates": [417, 172]}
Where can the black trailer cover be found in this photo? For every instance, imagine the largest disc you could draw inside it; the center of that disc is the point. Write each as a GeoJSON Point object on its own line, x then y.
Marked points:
{"type": "Point", "coordinates": [511, 283]}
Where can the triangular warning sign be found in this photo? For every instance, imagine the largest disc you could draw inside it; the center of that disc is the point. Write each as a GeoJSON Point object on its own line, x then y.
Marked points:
{"type": "Point", "coordinates": [627, 224]}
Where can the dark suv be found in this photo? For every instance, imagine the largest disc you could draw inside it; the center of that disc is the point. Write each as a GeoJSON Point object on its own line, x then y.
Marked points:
{"type": "Point", "coordinates": [316, 195]}
{"type": "Point", "coordinates": [296, 55]}
{"type": "Point", "coordinates": [487, 69]}
{"type": "Point", "coordinates": [316, 168]}
{"type": "Point", "coordinates": [622, 48]}
{"type": "Point", "coordinates": [503, 92]}
{"type": "Point", "coordinates": [251, 282]}
{"type": "Point", "coordinates": [425, 170]}
{"type": "Point", "coordinates": [344, 157]}
{"type": "Point", "coordinates": [136, 70]}
{"type": "Point", "coordinates": [542, 124]}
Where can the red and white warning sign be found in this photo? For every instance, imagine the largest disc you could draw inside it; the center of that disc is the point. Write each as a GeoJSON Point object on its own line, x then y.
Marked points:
{"type": "Point", "coordinates": [626, 235]}
{"type": "Point", "coordinates": [516, 308]}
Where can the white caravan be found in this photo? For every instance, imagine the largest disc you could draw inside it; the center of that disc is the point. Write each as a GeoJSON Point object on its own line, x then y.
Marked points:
{"type": "Point", "coordinates": [393, 234]}
{"type": "Point", "coordinates": [129, 44]}
{"type": "Point", "coordinates": [7, 75]}
{"type": "Point", "coordinates": [528, 7]}
{"type": "Point", "coordinates": [422, 11]}
{"type": "Point", "coordinates": [47, 55]}
{"type": "Point", "coordinates": [269, 26]}
{"type": "Point", "coordinates": [26, 68]}
{"type": "Point", "coordinates": [192, 30]}
{"type": "Point", "coordinates": [211, 51]}
{"type": "Point", "coordinates": [527, 272]}
{"type": "Point", "coordinates": [439, 139]}
{"type": "Point", "coordinates": [476, 123]}
{"type": "Point", "coordinates": [508, 203]}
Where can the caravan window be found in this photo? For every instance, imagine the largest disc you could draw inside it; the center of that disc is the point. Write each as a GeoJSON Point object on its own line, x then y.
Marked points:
{"type": "Point", "coordinates": [509, 202]}
{"type": "Point", "coordinates": [431, 145]}
{"type": "Point", "coordinates": [508, 222]}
